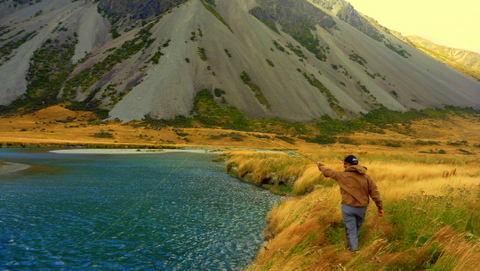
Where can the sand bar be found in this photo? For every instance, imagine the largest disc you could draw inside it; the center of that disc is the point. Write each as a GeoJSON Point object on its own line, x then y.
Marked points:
{"type": "Point", "coordinates": [135, 151]}
{"type": "Point", "coordinates": [7, 167]}
{"type": "Point", "coordinates": [153, 151]}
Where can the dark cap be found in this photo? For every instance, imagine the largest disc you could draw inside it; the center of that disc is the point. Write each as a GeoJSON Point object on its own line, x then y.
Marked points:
{"type": "Point", "coordinates": [352, 160]}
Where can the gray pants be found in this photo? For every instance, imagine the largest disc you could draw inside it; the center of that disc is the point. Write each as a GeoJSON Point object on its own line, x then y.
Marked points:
{"type": "Point", "coordinates": [353, 218]}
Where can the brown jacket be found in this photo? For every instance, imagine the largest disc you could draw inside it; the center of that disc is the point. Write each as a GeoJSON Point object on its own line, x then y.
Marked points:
{"type": "Point", "coordinates": [356, 186]}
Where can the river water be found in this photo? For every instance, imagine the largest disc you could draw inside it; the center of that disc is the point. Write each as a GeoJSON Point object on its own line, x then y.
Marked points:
{"type": "Point", "coordinates": [162, 211]}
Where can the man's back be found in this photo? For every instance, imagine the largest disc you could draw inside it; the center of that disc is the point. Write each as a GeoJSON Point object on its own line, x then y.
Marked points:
{"type": "Point", "coordinates": [356, 187]}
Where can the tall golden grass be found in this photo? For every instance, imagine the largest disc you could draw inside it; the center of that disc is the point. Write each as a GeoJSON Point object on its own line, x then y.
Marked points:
{"type": "Point", "coordinates": [432, 219]}
{"type": "Point", "coordinates": [261, 165]}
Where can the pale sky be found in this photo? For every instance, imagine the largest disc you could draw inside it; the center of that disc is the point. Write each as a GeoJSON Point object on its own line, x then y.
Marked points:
{"type": "Point", "coordinates": [449, 23]}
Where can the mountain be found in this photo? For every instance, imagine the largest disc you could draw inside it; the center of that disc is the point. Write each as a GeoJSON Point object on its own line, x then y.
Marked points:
{"type": "Point", "coordinates": [296, 60]}
{"type": "Point", "coordinates": [464, 61]}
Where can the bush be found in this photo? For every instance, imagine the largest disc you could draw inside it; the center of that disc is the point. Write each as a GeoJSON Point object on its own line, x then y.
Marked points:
{"type": "Point", "coordinates": [420, 142]}
{"type": "Point", "coordinates": [458, 143]}
{"type": "Point", "coordinates": [255, 89]}
{"type": "Point", "coordinates": [218, 92]}
{"type": "Point", "coordinates": [237, 136]}
{"type": "Point", "coordinates": [394, 145]}
{"type": "Point", "coordinates": [210, 7]}
{"type": "Point", "coordinates": [158, 124]}
{"type": "Point", "coordinates": [202, 54]}
{"type": "Point", "coordinates": [206, 111]}
{"type": "Point", "coordinates": [321, 139]}
{"type": "Point", "coordinates": [357, 58]}
{"type": "Point", "coordinates": [103, 135]}
{"type": "Point", "coordinates": [286, 139]}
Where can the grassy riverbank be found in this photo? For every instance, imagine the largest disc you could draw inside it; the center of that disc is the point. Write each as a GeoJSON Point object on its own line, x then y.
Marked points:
{"type": "Point", "coordinates": [432, 206]}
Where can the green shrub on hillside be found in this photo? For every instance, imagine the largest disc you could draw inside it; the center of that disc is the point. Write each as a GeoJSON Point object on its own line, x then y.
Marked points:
{"type": "Point", "coordinates": [382, 117]}
{"type": "Point", "coordinates": [206, 111]}
{"type": "Point", "coordinates": [84, 80]}
{"type": "Point", "coordinates": [156, 57]}
{"type": "Point", "coordinates": [297, 51]}
{"type": "Point", "coordinates": [210, 2]}
{"type": "Point", "coordinates": [14, 43]}
{"type": "Point", "coordinates": [158, 124]}
{"type": "Point", "coordinates": [278, 46]}
{"type": "Point", "coordinates": [209, 5]}
{"type": "Point", "coordinates": [50, 66]}
{"type": "Point", "coordinates": [219, 92]}
{"type": "Point", "coordinates": [399, 51]}
{"type": "Point", "coordinates": [260, 14]}
{"type": "Point", "coordinates": [304, 36]}
{"type": "Point", "coordinates": [255, 89]}
{"type": "Point", "coordinates": [202, 54]}
{"type": "Point", "coordinates": [333, 102]}
{"type": "Point", "coordinates": [90, 104]}
{"type": "Point", "coordinates": [357, 58]}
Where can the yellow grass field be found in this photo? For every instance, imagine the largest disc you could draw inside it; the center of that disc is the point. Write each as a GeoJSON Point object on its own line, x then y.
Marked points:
{"type": "Point", "coordinates": [59, 126]}
{"type": "Point", "coordinates": [429, 179]}
{"type": "Point", "coordinates": [432, 222]}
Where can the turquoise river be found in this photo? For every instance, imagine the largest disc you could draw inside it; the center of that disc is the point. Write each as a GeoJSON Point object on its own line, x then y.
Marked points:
{"type": "Point", "coordinates": [135, 211]}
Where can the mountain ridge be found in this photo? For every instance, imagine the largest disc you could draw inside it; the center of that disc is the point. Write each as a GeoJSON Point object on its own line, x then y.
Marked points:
{"type": "Point", "coordinates": [464, 61]}
{"type": "Point", "coordinates": [155, 66]}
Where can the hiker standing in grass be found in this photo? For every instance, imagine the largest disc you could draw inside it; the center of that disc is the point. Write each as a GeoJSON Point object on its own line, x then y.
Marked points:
{"type": "Point", "coordinates": [356, 188]}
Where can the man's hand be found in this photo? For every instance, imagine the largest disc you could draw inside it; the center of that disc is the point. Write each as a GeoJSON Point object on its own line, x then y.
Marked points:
{"type": "Point", "coordinates": [319, 164]}
{"type": "Point", "coordinates": [380, 212]}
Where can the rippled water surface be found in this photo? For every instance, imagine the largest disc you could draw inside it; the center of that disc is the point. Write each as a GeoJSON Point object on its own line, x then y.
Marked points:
{"type": "Point", "coordinates": [163, 211]}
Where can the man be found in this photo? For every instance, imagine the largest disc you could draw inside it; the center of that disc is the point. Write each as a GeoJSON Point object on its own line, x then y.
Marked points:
{"type": "Point", "coordinates": [356, 188]}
